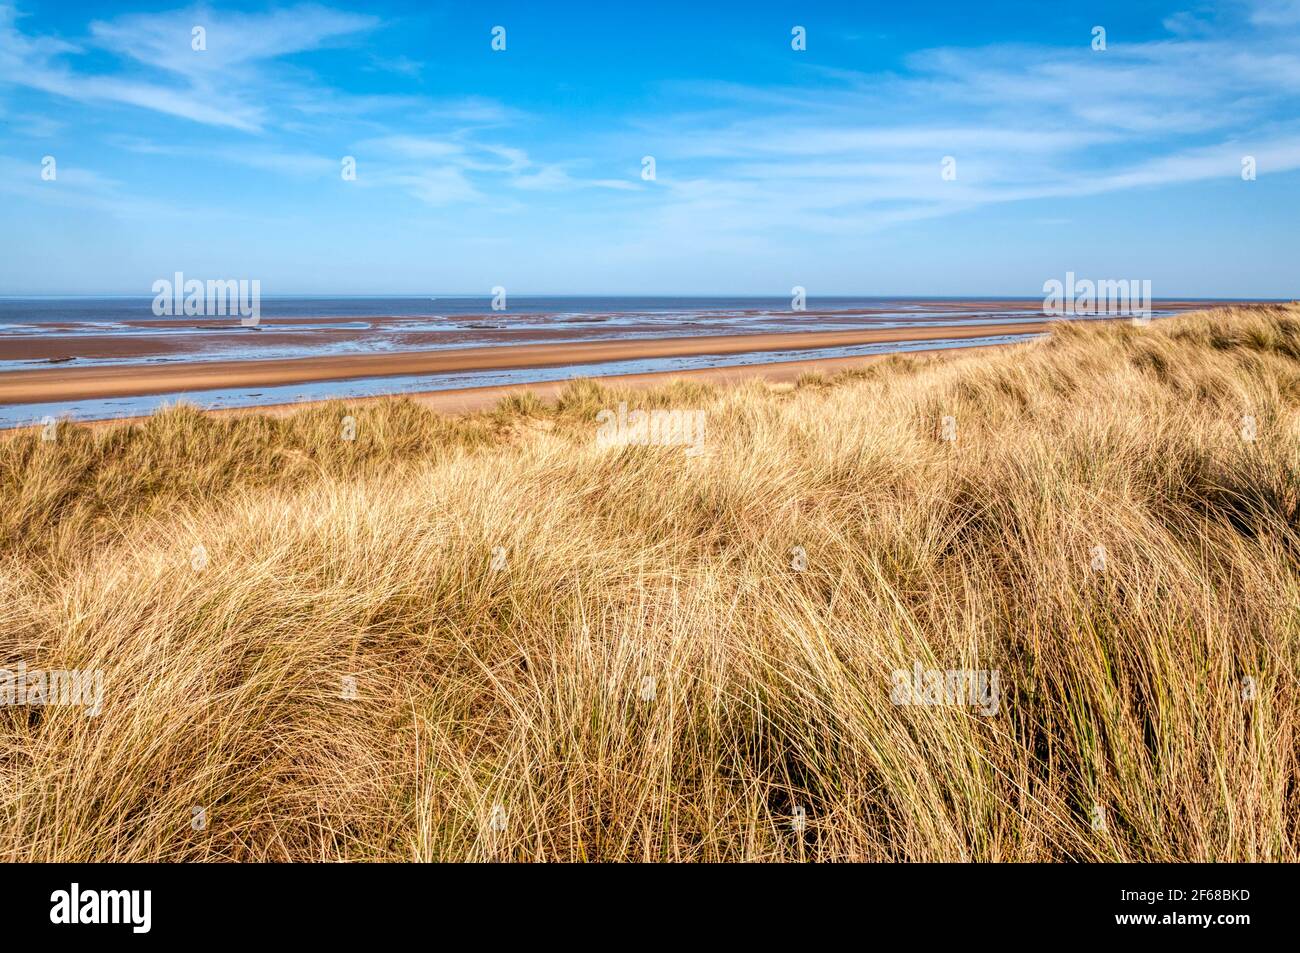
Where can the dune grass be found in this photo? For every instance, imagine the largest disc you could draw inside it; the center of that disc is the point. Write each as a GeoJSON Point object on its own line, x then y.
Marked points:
{"type": "Point", "coordinates": [491, 638]}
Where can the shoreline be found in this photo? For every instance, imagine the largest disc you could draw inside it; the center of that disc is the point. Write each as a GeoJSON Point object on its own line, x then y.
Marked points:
{"type": "Point", "coordinates": [50, 385]}
{"type": "Point", "coordinates": [27, 345]}
{"type": "Point", "coordinates": [474, 399]}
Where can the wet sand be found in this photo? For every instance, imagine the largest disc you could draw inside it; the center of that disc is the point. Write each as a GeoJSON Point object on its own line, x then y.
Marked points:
{"type": "Point", "coordinates": [167, 340]}
{"type": "Point", "coordinates": [472, 399]}
{"type": "Point", "coordinates": [70, 383]}
{"type": "Point", "coordinates": [175, 339]}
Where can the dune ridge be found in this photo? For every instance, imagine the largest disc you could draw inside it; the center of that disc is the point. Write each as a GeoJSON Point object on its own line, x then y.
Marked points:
{"type": "Point", "coordinates": [492, 638]}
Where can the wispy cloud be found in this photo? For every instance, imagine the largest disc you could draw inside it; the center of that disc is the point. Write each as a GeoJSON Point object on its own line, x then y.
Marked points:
{"type": "Point", "coordinates": [847, 154]}
{"type": "Point", "coordinates": [84, 189]}
{"type": "Point", "coordinates": [459, 168]}
{"type": "Point", "coordinates": [224, 84]}
{"type": "Point", "coordinates": [1276, 12]}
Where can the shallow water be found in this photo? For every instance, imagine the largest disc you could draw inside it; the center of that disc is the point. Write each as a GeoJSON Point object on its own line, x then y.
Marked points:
{"type": "Point", "coordinates": [123, 331]}
{"type": "Point", "coordinates": [379, 325]}
{"type": "Point", "coordinates": [19, 415]}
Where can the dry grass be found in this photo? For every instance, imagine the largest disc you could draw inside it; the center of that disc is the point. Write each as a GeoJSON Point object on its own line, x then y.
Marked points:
{"type": "Point", "coordinates": [522, 687]}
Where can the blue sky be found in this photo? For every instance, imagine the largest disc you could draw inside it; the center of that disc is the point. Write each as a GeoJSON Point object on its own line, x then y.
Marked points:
{"type": "Point", "coordinates": [774, 167]}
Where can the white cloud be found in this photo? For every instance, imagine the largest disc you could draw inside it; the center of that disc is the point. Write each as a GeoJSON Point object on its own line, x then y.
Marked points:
{"type": "Point", "coordinates": [233, 40]}
{"type": "Point", "coordinates": [1276, 13]}
{"type": "Point", "coordinates": [442, 170]}
{"type": "Point", "coordinates": [849, 155]}
{"type": "Point", "coordinates": [225, 85]}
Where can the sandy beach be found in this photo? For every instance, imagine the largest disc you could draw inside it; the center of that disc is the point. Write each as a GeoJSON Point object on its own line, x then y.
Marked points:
{"type": "Point", "coordinates": [467, 400]}
{"type": "Point", "coordinates": [80, 383]}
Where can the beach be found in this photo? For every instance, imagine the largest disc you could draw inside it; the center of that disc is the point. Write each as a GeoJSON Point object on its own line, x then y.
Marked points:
{"type": "Point", "coordinates": [466, 400]}
{"type": "Point", "coordinates": [60, 383]}
{"type": "Point", "coordinates": [97, 360]}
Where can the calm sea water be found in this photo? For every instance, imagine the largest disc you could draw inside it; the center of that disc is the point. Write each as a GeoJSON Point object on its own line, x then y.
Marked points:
{"type": "Point", "coordinates": [359, 325]}
{"type": "Point", "coordinates": [112, 310]}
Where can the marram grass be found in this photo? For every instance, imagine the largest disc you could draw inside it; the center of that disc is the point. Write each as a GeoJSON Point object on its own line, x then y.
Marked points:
{"type": "Point", "coordinates": [490, 638]}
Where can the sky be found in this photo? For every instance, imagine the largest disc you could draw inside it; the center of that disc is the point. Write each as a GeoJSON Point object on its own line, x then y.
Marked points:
{"type": "Point", "coordinates": [937, 148]}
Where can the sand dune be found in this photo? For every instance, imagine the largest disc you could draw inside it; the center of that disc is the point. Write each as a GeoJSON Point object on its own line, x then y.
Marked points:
{"type": "Point", "coordinates": [496, 637]}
